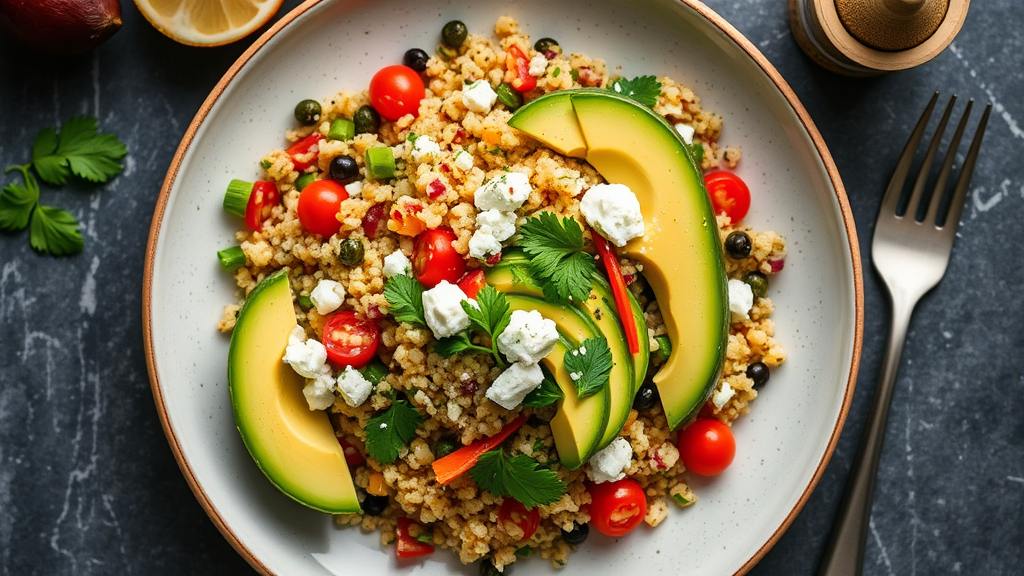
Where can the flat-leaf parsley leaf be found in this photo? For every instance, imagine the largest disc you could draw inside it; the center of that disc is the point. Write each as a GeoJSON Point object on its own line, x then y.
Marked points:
{"type": "Point", "coordinates": [589, 365]}
{"type": "Point", "coordinates": [557, 258]}
{"type": "Point", "coordinates": [79, 149]}
{"type": "Point", "coordinates": [405, 297]}
{"type": "Point", "coordinates": [55, 231]}
{"type": "Point", "coordinates": [544, 395]}
{"type": "Point", "coordinates": [17, 202]}
{"type": "Point", "coordinates": [517, 477]}
{"type": "Point", "coordinates": [389, 431]}
{"type": "Point", "coordinates": [643, 89]}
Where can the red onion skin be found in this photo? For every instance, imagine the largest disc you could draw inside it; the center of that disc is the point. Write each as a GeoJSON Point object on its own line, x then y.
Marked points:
{"type": "Point", "coordinates": [60, 27]}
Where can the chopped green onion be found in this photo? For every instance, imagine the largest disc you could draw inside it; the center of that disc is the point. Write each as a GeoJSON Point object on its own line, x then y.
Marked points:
{"type": "Point", "coordinates": [304, 180]}
{"type": "Point", "coordinates": [380, 163]}
{"type": "Point", "coordinates": [236, 198]}
{"type": "Point", "coordinates": [509, 96]}
{"type": "Point", "coordinates": [231, 258]}
{"type": "Point", "coordinates": [575, 75]}
{"type": "Point", "coordinates": [556, 71]}
{"type": "Point", "coordinates": [342, 129]}
{"type": "Point", "coordinates": [374, 371]}
{"type": "Point", "coordinates": [265, 164]}
{"type": "Point", "coordinates": [306, 303]}
{"type": "Point", "coordinates": [445, 52]}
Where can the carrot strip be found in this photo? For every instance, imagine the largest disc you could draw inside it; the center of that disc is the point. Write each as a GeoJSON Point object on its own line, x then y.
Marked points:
{"type": "Point", "coordinates": [455, 464]}
{"type": "Point", "coordinates": [611, 265]}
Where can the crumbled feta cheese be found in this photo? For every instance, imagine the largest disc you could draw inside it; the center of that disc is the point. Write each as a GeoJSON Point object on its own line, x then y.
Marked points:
{"type": "Point", "coordinates": [482, 245]}
{"type": "Point", "coordinates": [538, 64]}
{"type": "Point", "coordinates": [442, 307]}
{"type": "Point", "coordinates": [501, 225]}
{"type": "Point", "coordinates": [353, 386]}
{"type": "Point", "coordinates": [614, 211]}
{"type": "Point", "coordinates": [354, 189]}
{"type": "Point", "coordinates": [397, 264]}
{"type": "Point", "coordinates": [479, 97]}
{"type": "Point", "coordinates": [528, 337]}
{"type": "Point", "coordinates": [423, 149]}
{"type": "Point", "coordinates": [610, 463]}
{"type": "Point", "coordinates": [463, 160]}
{"type": "Point", "coordinates": [518, 380]}
{"type": "Point", "coordinates": [686, 132]}
{"type": "Point", "coordinates": [319, 392]}
{"type": "Point", "coordinates": [723, 396]}
{"type": "Point", "coordinates": [307, 357]}
{"type": "Point", "coordinates": [741, 299]}
{"type": "Point", "coordinates": [506, 192]}
{"type": "Point", "coordinates": [327, 296]}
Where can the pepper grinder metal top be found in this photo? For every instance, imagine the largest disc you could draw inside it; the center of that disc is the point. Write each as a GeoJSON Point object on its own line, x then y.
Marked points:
{"type": "Point", "coordinates": [872, 37]}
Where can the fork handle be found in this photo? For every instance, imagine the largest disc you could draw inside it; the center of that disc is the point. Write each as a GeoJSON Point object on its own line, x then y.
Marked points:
{"type": "Point", "coordinates": [844, 554]}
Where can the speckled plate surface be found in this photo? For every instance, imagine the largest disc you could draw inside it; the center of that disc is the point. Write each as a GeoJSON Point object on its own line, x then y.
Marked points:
{"type": "Point", "coordinates": [320, 48]}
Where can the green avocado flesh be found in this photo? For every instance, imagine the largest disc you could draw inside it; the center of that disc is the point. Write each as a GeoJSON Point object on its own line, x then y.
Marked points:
{"type": "Point", "coordinates": [680, 251]}
{"type": "Point", "coordinates": [294, 446]}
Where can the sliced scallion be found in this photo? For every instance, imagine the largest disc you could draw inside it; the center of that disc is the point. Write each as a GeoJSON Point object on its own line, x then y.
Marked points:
{"type": "Point", "coordinates": [236, 198]}
{"type": "Point", "coordinates": [380, 163]}
{"type": "Point", "coordinates": [231, 258]}
{"type": "Point", "coordinates": [342, 129]}
{"type": "Point", "coordinates": [304, 180]}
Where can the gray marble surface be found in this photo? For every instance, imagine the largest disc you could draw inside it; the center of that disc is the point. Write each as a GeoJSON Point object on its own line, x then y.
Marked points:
{"type": "Point", "coordinates": [88, 484]}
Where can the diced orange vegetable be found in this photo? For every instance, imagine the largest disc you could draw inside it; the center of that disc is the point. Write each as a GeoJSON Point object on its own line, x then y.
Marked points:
{"type": "Point", "coordinates": [376, 485]}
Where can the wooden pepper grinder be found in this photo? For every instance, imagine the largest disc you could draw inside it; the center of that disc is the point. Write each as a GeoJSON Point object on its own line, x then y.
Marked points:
{"type": "Point", "coordinates": [872, 37]}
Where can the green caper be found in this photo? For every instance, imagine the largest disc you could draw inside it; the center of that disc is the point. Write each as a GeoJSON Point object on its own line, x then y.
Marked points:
{"type": "Point", "coordinates": [758, 283]}
{"type": "Point", "coordinates": [444, 446]}
{"type": "Point", "coordinates": [545, 44]}
{"type": "Point", "coordinates": [508, 96]}
{"type": "Point", "coordinates": [350, 253]}
{"type": "Point", "coordinates": [307, 112]}
{"type": "Point", "coordinates": [305, 302]}
{"type": "Point", "coordinates": [366, 119]}
{"type": "Point", "coordinates": [454, 34]}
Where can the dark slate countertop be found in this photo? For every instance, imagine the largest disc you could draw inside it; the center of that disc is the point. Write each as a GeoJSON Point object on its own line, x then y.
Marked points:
{"type": "Point", "coordinates": [88, 484]}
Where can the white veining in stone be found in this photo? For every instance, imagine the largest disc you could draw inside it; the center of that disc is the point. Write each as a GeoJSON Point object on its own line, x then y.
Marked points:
{"type": "Point", "coordinates": [88, 300]}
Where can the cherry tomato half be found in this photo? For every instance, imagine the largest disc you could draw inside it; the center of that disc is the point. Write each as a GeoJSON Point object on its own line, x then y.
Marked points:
{"type": "Point", "coordinates": [518, 62]}
{"type": "Point", "coordinates": [352, 454]}
{"type": "Point", "coordinates": [471, 282]}
{"type": "Point", "coordinates": [617, 507]}
{"type": "Point", "coordinates": [308, 144]}
{"type": "Point", "coordinates": [434, 258]}
{"type": "Point", "coordinates": [350, 339]}
{"type": "Point", "coordinates": [513, 511]}
{"type": "Point", "coordinates": [728, 194]}
{"type": "Point", "coordinates": [318, 208]}
{"type": "Point", "coordinates": [707, 446]}
{"type": "Point", "coordinates": [406, 545]}
{"type": "Point", "coordinates": [396, 91]}
{"type": "Point", "coordinates": [264, 196]}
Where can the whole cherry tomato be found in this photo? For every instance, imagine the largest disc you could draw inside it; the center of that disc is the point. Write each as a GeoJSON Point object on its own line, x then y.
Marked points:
{"type": "Point", "coordinates": [617, 507]}
{"type": "Point", "coordinates": [728, 194]}
{"type": "Point", "coordinates": [434, 258]}
{"type": "Point", "coordinates": [319, 203]}
{"type": "Point", "coordinates": [264, 196]}
{"type": "Point", "coordinates": [471, 282]}
{"type": "Point", "coordinates": [350, 339]}
{"type": "Point", "coordinates": [308, 144]}
{"type": "Point", "coordinates": [707, 446]}
{"type": "Point", "coordinates": [513, 511]}
{"type": "Point", "coordinates": [396, 91]}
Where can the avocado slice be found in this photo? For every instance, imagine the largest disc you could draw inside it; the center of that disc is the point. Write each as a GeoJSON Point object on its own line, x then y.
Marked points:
{"type": "Point", "coordinates": [681, 253]}
{"type": "Point", "coordinates": [579, 423]}
{"type": "Point", "coordinates": [294, 446]}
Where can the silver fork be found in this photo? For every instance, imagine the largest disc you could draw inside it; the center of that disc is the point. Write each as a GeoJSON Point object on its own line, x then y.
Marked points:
{"type": "Point", "coordinates": [911, 256]}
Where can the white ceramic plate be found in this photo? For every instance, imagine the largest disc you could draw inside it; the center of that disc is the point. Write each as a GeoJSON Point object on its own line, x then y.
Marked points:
{"type": "Point", "coordinates": [320, 48]}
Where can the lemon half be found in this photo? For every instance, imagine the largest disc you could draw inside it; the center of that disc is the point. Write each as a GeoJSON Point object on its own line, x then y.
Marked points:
{"type": "Point", "coordinates": [207, 22]}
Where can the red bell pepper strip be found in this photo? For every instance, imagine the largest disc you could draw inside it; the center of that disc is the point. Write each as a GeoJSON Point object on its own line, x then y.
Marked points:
{"type": "Point", "coordinates": [303, 147]}
{"type": "Point", "coordinates": [615, 278]}
{"type": "Point", "coordinates": [471, 282]}
{"type": "Point", "coordinates": [517, 62]}
{"type": "Point", "coordinates": [408, 547]}
{"type": "Point", "coordinates": [264, 196]}
{"type": "Point", "coordinates": [453, 465]}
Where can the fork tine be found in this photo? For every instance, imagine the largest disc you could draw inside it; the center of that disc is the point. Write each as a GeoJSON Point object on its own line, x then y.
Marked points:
{"type": "Point", "coordinates": [956, 206]}
{"type": "Point", "coordinates": [947, 167]}
{"type": "Point", "coordinates": [893, 192]}
{"type": "Point", "coordinates": [915, 202]}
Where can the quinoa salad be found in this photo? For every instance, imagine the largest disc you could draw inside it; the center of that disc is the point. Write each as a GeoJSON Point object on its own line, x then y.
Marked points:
{"type": "Point", "coordinates": [469, 315]}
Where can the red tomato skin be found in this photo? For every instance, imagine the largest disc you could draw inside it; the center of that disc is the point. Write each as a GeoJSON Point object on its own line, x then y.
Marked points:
{"type": "Point", "coordinates": [728, 193]}
{"type": "Point", "coordinates": [472, 282]}
{"type": "Point", "coordinates": [348, 323]}
{"type": "Point", "coordinates": [353, 456]}
{"type": "Point", "coordinates": [520, 64]}
{"type": "Point", "coordinates": [434, 258]}
{"type": "Point", "coordinates": [513, 511]}
{"type": "Point", "coordinates": [303, 147]}
{"type": "Point", "coordinates": [396, 91]}
{"type": "Point", "coordinates": [707, 447]}
{"type": "Point", "coordinates": [319, 203]}
{"type": "Point", "coordinates": [610, 498]}
{"type": "Point", "coordinates": [264, 195]}
{"type": "Point", "coordinates": [408, 547]}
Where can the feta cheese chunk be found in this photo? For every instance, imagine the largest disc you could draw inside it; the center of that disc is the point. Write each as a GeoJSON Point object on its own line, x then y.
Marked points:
{"type": "Point", "coordinates": [479, 97]}
{"type": "Point", "coordinates": [538, 64]}
{"type": "Point", "coordinates": [723, 396]}
{"type": "Point", "coordinates": [501, 225]}
{"type": "Point", "coordinates": [423, 149]}
{"type": "Point", "coordinates": [611, 462]}
{"type": "Point", "coordinates": [504, 193]}
{"type": "Point", "coordinates": [319, 392]}
{"type": "Point", "coordinates": [354, 189]}
{"type": "Point", "coordinates": [518, 380]}
{"type": "Point", "coordinates": [442, 307]}
{"type": "Point", "coordinates": [482, 245]}
{"type": "Point", "coordinates": [307, 357]}
{"type": "Point", "coordinates": [741, 299]}
{"type": "Point", "coordinates": [463, 160]}
{"type": "Point", "coordinates": [353, 386]}
{"type": "Point", "coordinates": [327, 296]}
{"type": "Point", "coordinates": [528, 337]}
{"type": "Point", "coordinates": [686, 131]}
{"type": "Point", "coordinates": [397, 264]}
{"type": "Point", "coordinates": [614, 211]}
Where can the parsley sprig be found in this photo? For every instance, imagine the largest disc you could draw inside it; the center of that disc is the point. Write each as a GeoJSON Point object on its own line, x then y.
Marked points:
{"type": "Point", "coordinates": [589, 365]}
{"type": "Point", "coordinates": [517, 477]}
{"type": "Point", "coordinates": [643, 89]}
{"type": "Point", "coordinates": [405, 297]}
{"type": "Point", "coordinates": [388, 432]}
{"type": "Point", "coordinates": [555, 247]}
{"type": "Point", "coordinates": [544, 395]}
{"type": "Point", "coordinates": [489, 316]}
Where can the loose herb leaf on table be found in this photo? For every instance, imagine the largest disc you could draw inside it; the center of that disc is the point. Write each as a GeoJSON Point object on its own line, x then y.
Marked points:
{"type": "Point", "coordinates": [78, 149]}
{"type": "Point", "coordinates": [17, 201]}
{"type": "Point", "coordinates": [389, 431]}
{"type": "Point", "coordinates": [557, 258]}
{"type": "Point", "coordinates": [517, 477]}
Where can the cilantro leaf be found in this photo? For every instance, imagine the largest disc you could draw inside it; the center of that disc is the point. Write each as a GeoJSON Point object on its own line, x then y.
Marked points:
{"type": "Point", "coordinates": [405, 296]}
{"type": "Point", "coordinates": [491, 314]}
{"type": "Point", "coordinates": [388, 432]}
{"type": "Point", "coordinates": [78, 149]}
{"type": "Point", "coordinates": [557, 257]}
{"type": "Point", "coordinates": [17, 202]}
{"type": "Point", "coordinates": [589, 365]}
{"type": "Point", "coordinates": [452, 345]}
{"type": "Point", "coordinates": [544, 395]}
{"type": "Point", "coordinates": [697, 152]}
{"type": "Point", "coordinates": [643, 89]}
{"type": "Point", "coordinates": [517, 477]}
{"type": "Point", "coordinates": [55, 231]}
